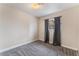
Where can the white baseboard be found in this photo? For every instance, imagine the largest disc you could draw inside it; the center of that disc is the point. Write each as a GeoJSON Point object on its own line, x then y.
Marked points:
{"type": "Point", "coordinates": [70, 47]}
{"type": "Point", "coordinates": [3, 50]}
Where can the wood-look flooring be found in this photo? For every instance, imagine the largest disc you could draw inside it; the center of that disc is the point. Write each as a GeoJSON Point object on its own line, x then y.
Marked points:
{"type": "Point", "coordinates": [39, 48]}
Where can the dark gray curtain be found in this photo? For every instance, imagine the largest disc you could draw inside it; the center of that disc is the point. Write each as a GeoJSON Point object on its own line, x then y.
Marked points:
{"type": "Point", "coordinates": [57, 32]}
{"type": "Point", "coordinates": [46, 31]}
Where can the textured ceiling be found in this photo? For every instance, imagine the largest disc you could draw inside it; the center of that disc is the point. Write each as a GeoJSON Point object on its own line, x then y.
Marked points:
{"type": "Point", "coordinates": [47, 8]}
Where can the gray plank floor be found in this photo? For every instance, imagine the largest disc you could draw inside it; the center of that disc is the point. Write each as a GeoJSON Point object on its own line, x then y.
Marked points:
{"type": "Point", "coordinates": [37, 48]}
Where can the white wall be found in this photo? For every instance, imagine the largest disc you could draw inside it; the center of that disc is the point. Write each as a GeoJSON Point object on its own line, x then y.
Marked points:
{"type": "Point", "coordinates": [16, 27]}
{"type": "Point", "coordinates": [69, 27]}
